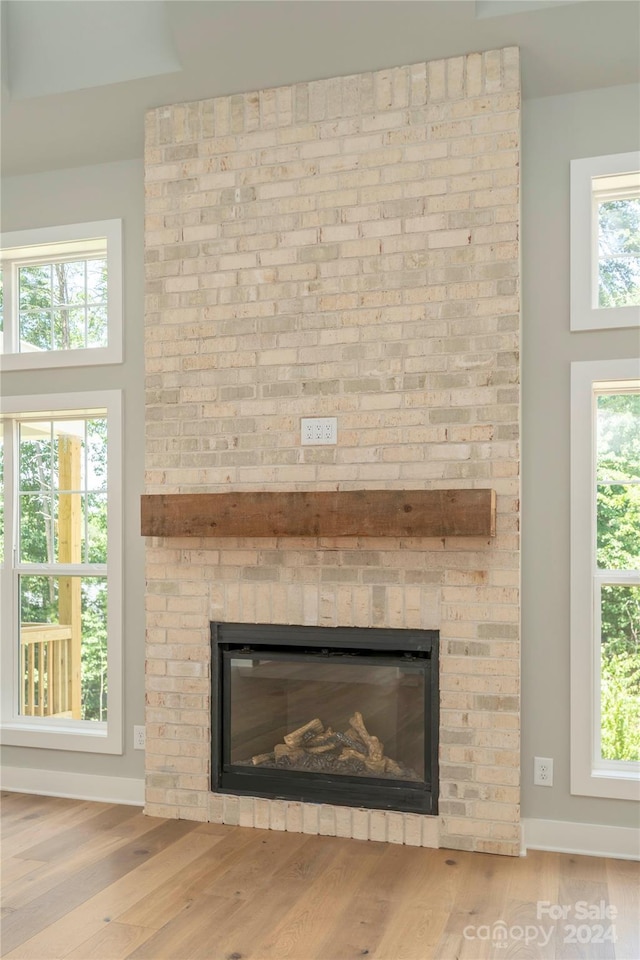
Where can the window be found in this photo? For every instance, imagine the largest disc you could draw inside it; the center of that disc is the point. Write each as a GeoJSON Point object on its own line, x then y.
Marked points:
{"type": "Point", "coordinates": [617, 216]}
{"type": "Point", "coordinates": [605, 579]}
{"type": "Point", "coordinates": [61, 583]}
{"type": "Point", "coordinates": [61, 296]}
{"type": "Point", "coordinates": [605, 242]}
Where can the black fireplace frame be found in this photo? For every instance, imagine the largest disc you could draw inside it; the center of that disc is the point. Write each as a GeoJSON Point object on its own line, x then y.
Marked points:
{"type": "Point", "coordinates": [412, 649]}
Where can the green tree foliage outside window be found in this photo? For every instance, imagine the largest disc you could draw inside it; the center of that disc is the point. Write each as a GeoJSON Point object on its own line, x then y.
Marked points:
{"type": "Point", "coordinates": [618, 548]}
{"type": "Point", "coordinates": [619, 253]}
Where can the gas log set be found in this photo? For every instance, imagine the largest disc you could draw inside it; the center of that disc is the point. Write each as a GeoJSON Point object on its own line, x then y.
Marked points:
{"type": "Point", "coordinates": [313, 747]}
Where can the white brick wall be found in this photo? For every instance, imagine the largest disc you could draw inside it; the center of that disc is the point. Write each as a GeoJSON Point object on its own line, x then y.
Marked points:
{"type": "Point", "coordinates": [347, 248]}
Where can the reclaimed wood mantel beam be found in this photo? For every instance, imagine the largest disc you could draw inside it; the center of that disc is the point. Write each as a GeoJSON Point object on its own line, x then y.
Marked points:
{"type": "Point", "coordinates": [345, 513]}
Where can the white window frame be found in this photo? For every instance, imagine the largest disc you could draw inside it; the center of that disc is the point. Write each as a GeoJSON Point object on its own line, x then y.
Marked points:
{"type": "Point", "coordinates": [47, 244]}
{"type": "Point", "coordinates": [585, 314]}
{"type": "Point", "coordinates": [52, 732]}
{"type": "Point", "coordinates": [590, 774]}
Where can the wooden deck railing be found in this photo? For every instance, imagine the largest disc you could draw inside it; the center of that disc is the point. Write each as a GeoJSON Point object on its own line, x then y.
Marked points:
{"type": "Point", "coordinates": [46, 670]}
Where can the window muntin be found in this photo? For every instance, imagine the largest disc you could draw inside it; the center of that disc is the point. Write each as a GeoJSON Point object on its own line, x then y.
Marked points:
{"type": "Point", "coordinates": [61, 581]}
{"type": "Point", "coordinates": [62, 296]}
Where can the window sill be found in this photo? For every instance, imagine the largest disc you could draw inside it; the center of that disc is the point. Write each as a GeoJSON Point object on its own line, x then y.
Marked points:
{"type": "Point", "coordinates": [604, 318]}
{"type": "Point", "coordinates": [78, 736]}
{"type": "Point", "coordinates": [58, 359]}
{"type": "Point", "coordinates": [610, 784]}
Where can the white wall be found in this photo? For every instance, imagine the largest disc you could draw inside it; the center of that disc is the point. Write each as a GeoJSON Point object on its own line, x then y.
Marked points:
{"type": "Point", "coordinates": [100, 192]}
{"type": "Point", "coordinates": [555, 131]}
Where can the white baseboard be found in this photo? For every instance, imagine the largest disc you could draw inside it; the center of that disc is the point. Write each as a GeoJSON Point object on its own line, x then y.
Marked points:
{"type": "Point", "coordinates": [586, 839]}
{"type": "Point", "coordinates": [75, 786]}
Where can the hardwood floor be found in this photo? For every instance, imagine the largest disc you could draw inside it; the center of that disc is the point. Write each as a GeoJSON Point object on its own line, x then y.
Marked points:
{"type": "Point", "coordinates": [95, 881]}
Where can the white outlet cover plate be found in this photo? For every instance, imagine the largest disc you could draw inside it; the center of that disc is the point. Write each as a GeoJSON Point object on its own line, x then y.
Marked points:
{"type": "Point", "coordinates": [543, 771]}
{"type": "Point", "coordinates": [318, 430]}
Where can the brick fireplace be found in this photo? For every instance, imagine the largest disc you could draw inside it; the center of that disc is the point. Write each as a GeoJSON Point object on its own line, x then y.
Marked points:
{"type": "Point", "coordinates": [346, 248]}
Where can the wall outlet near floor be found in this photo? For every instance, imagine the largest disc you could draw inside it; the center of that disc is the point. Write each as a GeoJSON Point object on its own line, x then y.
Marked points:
{"type": "Point", "coordinates": [543, 771]}
{"type": "Point", "coordinates": [318, 430]}
{"type": "Point", "coordinates": [139, 738]}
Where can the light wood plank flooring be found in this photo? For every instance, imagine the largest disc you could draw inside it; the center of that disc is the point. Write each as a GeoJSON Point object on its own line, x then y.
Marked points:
{"type": "Point", "coordinates": [95, 881]}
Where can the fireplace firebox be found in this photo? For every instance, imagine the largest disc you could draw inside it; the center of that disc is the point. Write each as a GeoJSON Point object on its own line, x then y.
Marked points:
{"type": "Point", "coordinates": [340, 715]}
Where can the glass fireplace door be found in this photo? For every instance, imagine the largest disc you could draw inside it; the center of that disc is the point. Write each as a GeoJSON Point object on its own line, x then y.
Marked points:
{"type": "Point", "coordinates": [342, 715]}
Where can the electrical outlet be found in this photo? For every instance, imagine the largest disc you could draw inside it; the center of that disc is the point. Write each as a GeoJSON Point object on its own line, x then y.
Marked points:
{"type": "Point", "coordinates": [139, 738]}
{"type": "Point", "coordinates": [543, 771]}
{"type": "Point", "coordinates": [318, 430]}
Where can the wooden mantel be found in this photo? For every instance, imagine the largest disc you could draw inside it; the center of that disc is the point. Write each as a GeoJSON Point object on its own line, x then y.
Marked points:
{"type": "Point", "coordinates": [348, 513]}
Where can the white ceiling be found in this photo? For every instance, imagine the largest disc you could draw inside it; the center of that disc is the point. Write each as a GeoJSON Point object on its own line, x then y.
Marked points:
{"type": "Point", "coordinates": [79, 74]}
{"type": "Point", "coordinates": [61, 47]}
